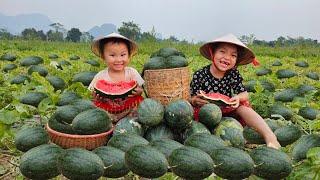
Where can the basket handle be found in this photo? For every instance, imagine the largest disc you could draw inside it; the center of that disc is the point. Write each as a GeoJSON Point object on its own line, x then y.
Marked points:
{"type": "Point", "coordinates": [145, 92]}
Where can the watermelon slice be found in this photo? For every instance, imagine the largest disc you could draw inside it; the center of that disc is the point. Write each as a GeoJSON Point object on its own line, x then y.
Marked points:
{"type": "Point", "coordinates": [110, 90]}
{"type": "Point", "coordinates": [217, 98]}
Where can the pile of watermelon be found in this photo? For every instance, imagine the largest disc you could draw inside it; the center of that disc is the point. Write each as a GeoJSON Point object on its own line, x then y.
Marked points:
{"type": "Point", "coordinates": [163, 139]}
{"type": "Point", "coordinates": [166, 58]}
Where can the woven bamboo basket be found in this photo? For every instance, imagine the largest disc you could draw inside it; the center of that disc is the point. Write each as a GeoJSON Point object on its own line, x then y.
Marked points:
{"type": "Point", "coordinates": [83, 141]}
{"type": "Point", "coordinates": [167, 85]}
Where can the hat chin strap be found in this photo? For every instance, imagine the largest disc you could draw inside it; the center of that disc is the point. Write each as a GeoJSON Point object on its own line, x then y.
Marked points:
{"type": "Point", "coordinates": [255, 62]}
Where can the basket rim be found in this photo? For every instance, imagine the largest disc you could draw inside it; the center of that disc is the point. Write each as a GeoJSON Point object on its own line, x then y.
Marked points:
{"type": "Point", "coordinates": [78, 135]}
{"type": "Point", "coordinates": [169, 69]}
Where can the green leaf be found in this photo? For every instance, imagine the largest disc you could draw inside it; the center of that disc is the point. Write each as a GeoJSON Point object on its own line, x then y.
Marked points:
{"type": "Point", "coordinates": [9, 117]}
{"type": "Point", "coordinates": [314, 155]}
{"type": "Point", "coordinates": [3, 129]}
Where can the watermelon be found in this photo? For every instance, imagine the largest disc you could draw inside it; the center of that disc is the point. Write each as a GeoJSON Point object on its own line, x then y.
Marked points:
{"type": "Point", "coordinates": [146, 161]}
{"type": "Point", "coordinates": [313, 75]}
{"type": "Point", "coordinates": [271, 163]}
{"type": "Point", "coordinates": [150, 112]}
{"type": "Point", "coordinates": [67, 97]}
{"type": "Point", "coordinates": [231, 131]}
{"type": "Point", "coordinates": [165, 146]}
{"type": "Point", "coordinates": [126, 140]}
{"type": "Point", "coordinates": [66, 114]}
{"type": "Point", "coordinates": [288, 134]}
{"type": "Point", "coordinates": [33, 98]}
{"type": "Point", "coordinates": [30, 137]}
{"type": "Point", "coordinates": [9, 67]}
{"type": "Point", "coordinates": [190, 163]}
{"type": "Point", "coordinates": [31, 60]}
{"type": "Point", "coordinates": [263, 71]}
{"type": "Point", "coordinates": [281, 110]}
{"type": "Point", "coordinates": [39, 69]}
{"type": "Point", "coordinates": [176, 62]}
{"type": "Point", "coordinates": [105, 89]}
{"type": "Point", "coordinates": [302, 64]}
{"type": "Point", "coordinates": [210, 115]}
{"type": "Point", "coordinates": [308, 113]}
{"type": "Point", "coordinates": [53, 56]}
{"type": "Point", "coordinates": [159, 132]}
{"type": "Point", "coordinates": [113, 160]}
{"type": "Point", "coordinates": [41, 162]}
{"type": "Point", "coordinates": [196, 127]}
{"type": "Point", "coordinates": [84, 77]}
{"type": "Point", "coordinates": [20, 79]}
{"type": "Point", "coordinates": [93, 63]}
{"type": "Point", "coordinates": [54, 124]}
{"type": "Point", "coordinates": [277, 63]}
{"type": "Point", "coordinates": [179, 114]}
{"type": "Point", "coordinates": [303, 144]}
{"type": "Point", "coordinates": [155, 63]}
{"type": "Point", "coordinates": [285, 73]}
{"type": "Point", "coordinates": [77, 163]}
{"type": "Point", "coordinates": [56, 82]}
{"type": "Point", "coordinates": [305, 89]}
{"type": "Point", "coordinates": [286, 95]}
{"type": "Point", "coordinates": [128, 125]}
{"type": "Point", "coordinates": [74, 57]}
{"type": "Point", "coordinates": [204, 141]}
{"type": "Point", "coordinates": [232, 163]}
{"type": "Point", "coordinates": [217, 98]}
{"type": "Point", "coordinates": [8, 57]}
{"type": "Point", "coordinates": [92, 121]}
{"type": "Point", "coordinates": [168, 51]}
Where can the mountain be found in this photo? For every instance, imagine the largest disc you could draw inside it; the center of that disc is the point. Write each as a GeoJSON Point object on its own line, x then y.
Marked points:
{"type": "Point", "coordinates": [16, 24]}
{"type": "Point", "coordinates": [103, 30]}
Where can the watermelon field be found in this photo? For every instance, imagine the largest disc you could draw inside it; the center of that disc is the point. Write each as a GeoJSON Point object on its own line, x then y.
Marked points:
{"type": "Point", "coordinates": [284, 90]}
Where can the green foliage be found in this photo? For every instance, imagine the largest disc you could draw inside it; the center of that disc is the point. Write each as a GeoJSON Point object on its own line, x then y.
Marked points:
{"type": "Point", "coordinates": [73, 35]}
{"type": "Point", "coordinates": [308, 169]}
{"type": "Point", "coordinates": [130, 30]}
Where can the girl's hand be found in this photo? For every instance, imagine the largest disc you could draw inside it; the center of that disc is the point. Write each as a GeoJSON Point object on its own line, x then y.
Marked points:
{"type": "Point", "coordinates": [236, 101]}
{"type": "Point", "coordinates": [136, 92]}
{"type": "Point", "coordinates": [198, 101]}
{"type": "Point", "coordinates": [273, 144]}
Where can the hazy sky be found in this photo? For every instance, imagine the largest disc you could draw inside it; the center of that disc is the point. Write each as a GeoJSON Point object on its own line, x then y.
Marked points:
{"type": "Point", "coordinates": [186, 19]}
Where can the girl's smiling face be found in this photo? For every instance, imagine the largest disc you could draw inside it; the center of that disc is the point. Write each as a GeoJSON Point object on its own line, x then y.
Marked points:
{"type": "Point", "coordinates": [116, 55]}
{"type": "Point", "coordinates": [225, 56]}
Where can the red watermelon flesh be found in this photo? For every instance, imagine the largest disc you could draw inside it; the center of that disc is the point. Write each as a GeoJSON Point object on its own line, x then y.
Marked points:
{"type": "Point", "coordinates": [111, 90]}
{"type": "Point", "coordinates": [217, 98]}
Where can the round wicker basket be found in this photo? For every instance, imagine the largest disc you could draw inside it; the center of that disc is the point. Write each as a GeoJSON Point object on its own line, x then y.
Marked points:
{"type": "Point", "coordinates": [166, 85]}
{"type": "Point", "coordinates": [88, 142]}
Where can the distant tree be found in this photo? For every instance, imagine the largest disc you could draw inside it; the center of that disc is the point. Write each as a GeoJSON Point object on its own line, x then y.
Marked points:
{"type": "Point", "coordinates": [30, 34]}
{"type": "Point", "coordinates": [73, 35]}
{"type": "Point", "coordinates": [86, 37]}
{"type": "Point", "coordinates": [281, 41]}
{"type": "Point", "coordinates": [130, 30]}
{"type": "Point", "coordinates": [149, 36]}
{"type": "Point", "coordinates": [54, 36]}
{"type": "Point", "coordinates": [42, 36]}
{"type": "Point", "coordinates": [173, 39]}
{"type": "Point", "coordinates": [59, 28]}
{"type": "Point", "coordinates": [4, 34]}
{"type": "Point", "coordinates": [248, 39]}
{"type": "Point", "coordinates": [260, 42]}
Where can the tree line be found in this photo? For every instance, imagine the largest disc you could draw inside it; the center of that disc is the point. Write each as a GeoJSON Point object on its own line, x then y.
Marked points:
{"type": "Point", "coordinates": [133, 31]}
{"type": "Point", "coordinates": [57, 33]}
